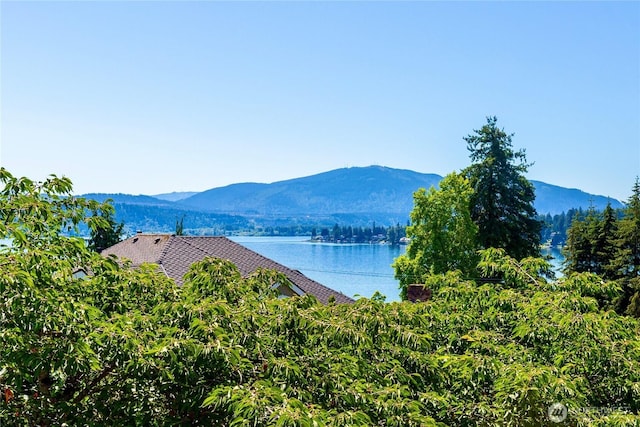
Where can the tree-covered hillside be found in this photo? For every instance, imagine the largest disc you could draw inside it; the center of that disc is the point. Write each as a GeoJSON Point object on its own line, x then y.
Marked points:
{"type": "Point", "coordinates": [553, 200]}
{"type": "Point", "coordinates": [370, 190]}
{"type": "Point", "coordinates": [357, 196]}
{"type": "Point", "coordinates": [364, 190]}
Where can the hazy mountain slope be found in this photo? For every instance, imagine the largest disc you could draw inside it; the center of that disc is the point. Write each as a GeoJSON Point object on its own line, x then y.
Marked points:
{"type": "Point", "coordinates": [130, 199]}
{"type": "Point", "coordinates": [175, 196]}
{"type": "Point", "coordinates": [153, 218]}
{"type": "Point", "coordinates": [349, 190]}
{"type": "Point", "coordinates": [554, 199]}
{"type": "Point", "coordinates": [354, 196]}
{"type": "Point", "coordinates": [360, 190]}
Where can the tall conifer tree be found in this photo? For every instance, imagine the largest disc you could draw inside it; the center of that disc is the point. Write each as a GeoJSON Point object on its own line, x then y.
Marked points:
{"type": "Point", "coordinates": [578, 250]}
{"type": "Point", "coordinates": [628, 257]}
{"type": "Point", "coordinates": [591, 243]}
{"type": "Point", "coordinates": [627, 260]}
{"type": "Point", "coordinates": [502, 202]}
{"type": "Point", "coordinates": [605, 248]}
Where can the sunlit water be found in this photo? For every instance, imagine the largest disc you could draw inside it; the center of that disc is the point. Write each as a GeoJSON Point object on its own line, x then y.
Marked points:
{"type": "Point", "coordinates": [356, 270]}
{"type": "Point", "coordinates": [556, 258]}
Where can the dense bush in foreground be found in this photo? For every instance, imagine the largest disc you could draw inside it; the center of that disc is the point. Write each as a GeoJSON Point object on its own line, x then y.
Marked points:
{"type": "Point", "coordinates": [128, 347]}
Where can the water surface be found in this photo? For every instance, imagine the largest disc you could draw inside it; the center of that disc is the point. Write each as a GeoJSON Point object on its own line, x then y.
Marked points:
{"type": "Point", "coordinates": [356, 270]}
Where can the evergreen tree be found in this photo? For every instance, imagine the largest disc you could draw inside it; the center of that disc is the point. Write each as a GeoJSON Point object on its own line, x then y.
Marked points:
{"type": "Point", "coordinates": [502, 202]}
{"type": "Point", "coordinates": [605, 243]}
{"type": "Point", "coordinates": [579, 251]}
{"type": "Point", "coordinates": [104, 230]}
{"type": "Point", "coordinates": [324, 233]}
{"type": "Point", "coordinates": [627, 260]}
{"type": "Point", "coordinates": [609, 247]}
{"type": "Point", "coordinates": [547, 227]}
{"type": "Point", "coordinates": [628, 256]}
{"type": "Point", "coordinates": [391, 235]}
{"type": "Point", "coordinates": [180, 226]}
{"type": "Point", "coordinates": [336, 232]}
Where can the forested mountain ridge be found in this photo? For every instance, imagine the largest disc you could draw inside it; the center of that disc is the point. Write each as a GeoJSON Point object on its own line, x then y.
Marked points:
{"type": "Point", "coordinates": [348, 190]}
{"type": "Point", "coordinates": [360, 189]}
{"type": "Point", "coordinates": [355, 195]}
{"type": "Point", "coordinates": [552, 199]}
{"type": "Point", "coordinates": [175, 196]}
{"type": "Point", "coordinates": [129, 199]}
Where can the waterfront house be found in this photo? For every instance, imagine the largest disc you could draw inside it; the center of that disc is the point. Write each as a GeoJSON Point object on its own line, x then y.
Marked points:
{"type": "Point", "coordinates": [175, 254]}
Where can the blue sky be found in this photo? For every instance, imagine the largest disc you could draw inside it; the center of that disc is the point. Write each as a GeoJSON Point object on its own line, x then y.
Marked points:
{"type": "Point", "coordinates": [149, 97]}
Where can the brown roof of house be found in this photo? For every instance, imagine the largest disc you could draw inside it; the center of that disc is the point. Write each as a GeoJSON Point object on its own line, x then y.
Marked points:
{"type": "Point", "coordinates": [175, 254]}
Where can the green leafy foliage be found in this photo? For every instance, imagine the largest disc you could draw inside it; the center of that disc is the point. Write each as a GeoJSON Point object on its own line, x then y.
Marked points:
{"type": "Point", "coordinates": [442, 233]}
{"type": "Point", "coordinates": [488, 205]}
{"type": "Point", "coordinates": [124, 346]}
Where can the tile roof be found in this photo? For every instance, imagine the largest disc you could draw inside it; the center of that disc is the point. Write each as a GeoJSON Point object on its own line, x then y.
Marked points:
{"type": "Point", "coordinates": [175, 254]}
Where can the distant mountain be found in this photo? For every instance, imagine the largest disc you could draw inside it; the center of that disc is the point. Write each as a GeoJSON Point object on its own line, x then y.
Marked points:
{"type": "Point", "coordinates": [360, 190]}
{"type": "Point", "coordinates": [373, 191]}
{"type": "Point", "coordinates": [354, 196]}
{"type": "Point", "coordinates": [150, 214]}
{"type": "Point", "coordinates": [175, 196]}
{"type": "Point", "coordinates": [554, 200]}
{"type": "Point", "coordinates": [128, 199]}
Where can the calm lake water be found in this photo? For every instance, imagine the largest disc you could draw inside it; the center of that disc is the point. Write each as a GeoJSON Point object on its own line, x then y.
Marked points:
{"type": "Point", "coordinates": [356, 270]}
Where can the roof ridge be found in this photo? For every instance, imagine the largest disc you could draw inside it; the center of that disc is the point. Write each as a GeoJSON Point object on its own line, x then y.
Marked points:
{"type": "Point", "coordinates": [260, 255]}
{"type": "Point", "coordinates": [188, 241]}
{"type": "Point", "coordinates": [243, 247]}
{"type": "Point", "coordinates": [165, 249]}
{"type": "Point", "coordinates": [284, 267]}
{"type": "Point", "coordinates": [178, 252]}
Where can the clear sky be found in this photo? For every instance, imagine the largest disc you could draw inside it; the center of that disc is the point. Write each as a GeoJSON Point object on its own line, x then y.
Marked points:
{"type": "Point", "coordinates": [147, 97]}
